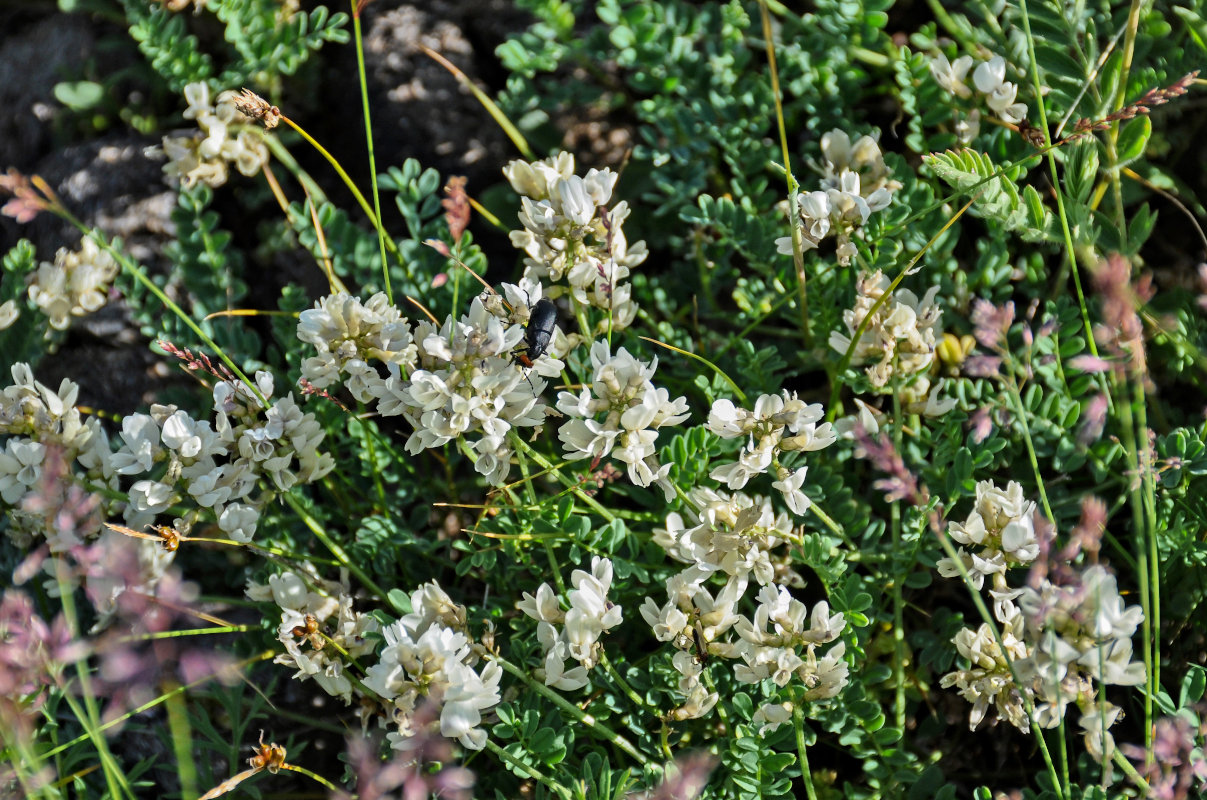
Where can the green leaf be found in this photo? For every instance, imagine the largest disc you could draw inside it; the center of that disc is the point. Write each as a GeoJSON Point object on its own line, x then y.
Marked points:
{"type": "Point", "coordinates": [79, 95]}
{"type": "Point", "coordinates": [1133, 139]}
{"type": "Point", "coordinates": [1193, 685]}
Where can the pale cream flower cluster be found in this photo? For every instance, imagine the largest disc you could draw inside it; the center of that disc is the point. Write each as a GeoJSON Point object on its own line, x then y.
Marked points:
{"type": "Point", "coordinates": [352, 339]}
{"type": "Point", "coordinates": [219, 467]}
{"type": "Point", "coordinates": [731, 533]}
{"type": "Point", "coordinates": [633, 410]}
{"type": "Point", "coordinates": [570, 231]}
{"type": "Point", "coordinates": [77, 283]}
{"type": "Point", "coordinates": [1001, 528]}
{"type": "Point", "coordinates": [321, 632]}
{"type": "Point", "coordinates": [778, 424]}
{"type": "Point", "coordinates": [574, 633]}
{"type": "Point", "coordinates": [34, 419]}
{"type": "Point", "coordinates": [989, 79]}
{"type": "Point", "coordinates": [1063, 642]}
{"type": "Point", "coordinates": [449, 382]}
{"type": "Point", "coordinates": [855, 184]}
{"type": "Point", "coordinates": [733, 536]}
{"type": "Point", "coordinates": [900, 340]}
{"type": "Point", "coordinates": [428, 655]}
{"type": "Point", "coordinates": [206, 156]}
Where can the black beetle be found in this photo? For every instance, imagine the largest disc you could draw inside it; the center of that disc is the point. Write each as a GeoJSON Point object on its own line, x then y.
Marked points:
{"type": "Point", "coordinates": [541, 323]}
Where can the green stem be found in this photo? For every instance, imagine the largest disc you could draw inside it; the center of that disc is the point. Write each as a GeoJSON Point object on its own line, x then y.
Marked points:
{"type": "Point", "coordinates": [264, 656]}
{"type": "Point", "coordinates": [573, 711]}
{"type": "Point", "coordinates": [342, 557]}
{"type": "Point", "coordinates": [1070, 250]}
{"type": "Point", "coordinates": [1021, 414]}
{"type": "Point", "coordinates": [1148, 488]}
{"type": "Point", "coordinates": [798, 255]}
{"type": "Point", "coordinates": [521, 446]}
{"type": "Point", "coordinates": [182, 744]}
{"type": "Point", "coordinates": [141, 276]}
{"type": "Point", "coordinates": [806, 774]}
{"type": "Point", "coordinates": [356, 192]}
{"type": "Point", "coordinates": [1149, 632]}
{"type": "Point", "coordinates": [897, 574]}
{"type": "Point", "coordinates": [620, 681]}
{"type": "Point", "coordinates": [528, 770]}
{"type": "Point", "coordinates": [364, 102]}
{"type": "Point", "coordinates": [314, 776]}
{"type": "Point", "coordinates": [88, 715]}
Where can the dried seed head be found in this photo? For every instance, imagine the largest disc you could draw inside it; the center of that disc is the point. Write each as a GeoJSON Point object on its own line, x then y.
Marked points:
{"type": "Point", "coordinates": [256, 107]}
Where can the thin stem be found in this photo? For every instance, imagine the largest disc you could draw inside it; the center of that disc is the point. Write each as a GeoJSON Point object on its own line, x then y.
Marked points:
{"type": "Point", "coordinates": [529, 770]}
{"type": "Point", "coordinates": [140, 275]}
{"type": "Point", "coordinates": [806, 774]}
{"type": "Point", "coordinates": [897, 576]}
{"type": "Point", "coordinates": [798, 255]}
{"type": "Point", "coordinates": [1149, 632]}
{"type": "Point", "coordinates": [364, 101]}
{"type": "Point", "coordinates": [1021, 415]}
{"type": "Point", "coordinates": [88, 715]}
{"type": "Point", "coordinates": [574, 711]}
{"type": "Point", "coordinates": [522, 446]}
{"type": "Point", "coordinates": [1070, 249]}
{"type": "Point", "coordinates": [342, 557]}
{"type": "Point", "coordinates": [356, 192]}
{"type": "Point", "coordinates": [621, 682]}
{"type": "Point", "coordinates": [331, 787]}
{"type": "Point", "coordinates": [264, 656]}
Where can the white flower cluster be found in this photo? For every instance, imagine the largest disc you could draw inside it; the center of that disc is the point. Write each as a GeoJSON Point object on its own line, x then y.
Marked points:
{"type": "Point", "coordinates": [570, 231]}
{"type": "Point", "coordinates": [1002, 528]}
{"type": "Point", "coordinates": [447, 382]}
{"type": "Point", "coordinates": [318, 613]}
{"type": "Point", "coordinates": [1062, 641]}
{"type": "Point", "coordinates": [781, 631]}
{"type": "Point", "coordinates": [590, 616]}
{"type": "Point", "coordinates": [33, 418]}
{"type": "Point", "coordinates": [77, 283]}
{"type": "Point", "coordinates": [350, 336]}
{"type": "Point", "coordinates": [779, 424]}
{"type": "Point", "coordinates": [428, 654]}
{"type": "Point", "coordinates": [206, 156]}
{"type": "Point", "coordinates": [900, 338]}
{"type": "Point", "coordinates": [855, 183]}
{"type": "Point", "coordinates": [220, 467]}
{"type": "Point", "coordinates": [734, 536]}
{"type": "Point", "coordinates": [633, 409]}
{"type": "Point", "coordinates": [990, 80]}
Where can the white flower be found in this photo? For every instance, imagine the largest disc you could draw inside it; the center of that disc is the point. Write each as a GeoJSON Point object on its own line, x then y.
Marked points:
{"type": "Point", "coordinates": [20, 468]}
{"type": "Point", "coordinates": [9, 313]}
{"type": "Point", "coordinates": [634, 409]}
{"type": "Point", "coordinates": [989, 78]}
{"type": "Point", "coordinates": [206, 156]}
{"type": "Point", "coordinates": [77, 283]}
{"type": "Point", "coordinates": [770, 716]}
{"type": "Point", "coordinates": [900, 337]}
{"type": "Point", "coordinates": [239, 521]}
{"type": "Point", "coordinates": [778, 424]}
{"type": "Point", "coordinates": [951, 75]}
{"type": "Point", "coordinates": [591, 614]}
